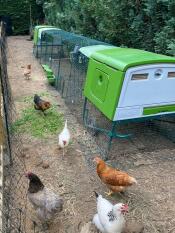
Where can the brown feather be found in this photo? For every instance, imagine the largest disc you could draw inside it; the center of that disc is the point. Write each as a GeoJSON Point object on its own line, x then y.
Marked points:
{"type": "Point", "coordinates": [113, 177]}
{"type": "Point", "coordinates": [116, 189]}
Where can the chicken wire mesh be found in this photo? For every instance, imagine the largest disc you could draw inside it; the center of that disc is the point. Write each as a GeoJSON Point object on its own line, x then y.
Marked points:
{"type": "Point", "coordinates": [69, 68]}
{"type": "Point", "coordinates": [143, 136]}
{"type": "Point", "coordinates": [13, 195]}
{"type": "Point", "coordinates": [60, 51]}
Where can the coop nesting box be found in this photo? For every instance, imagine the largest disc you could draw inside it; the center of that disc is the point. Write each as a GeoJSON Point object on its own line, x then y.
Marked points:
{"type": "Point", "coordinates": [128, 83]}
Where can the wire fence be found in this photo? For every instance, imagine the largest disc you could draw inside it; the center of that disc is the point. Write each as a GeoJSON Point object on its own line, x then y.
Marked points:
{"type": "Point", "coordinates": [59, 50]}
{"type": "Point", "coordinates": [12, 164]}
{"type": "Point", "coordinates": [13, 192]}
{"type": "Point", "coordinates": [69, 68]}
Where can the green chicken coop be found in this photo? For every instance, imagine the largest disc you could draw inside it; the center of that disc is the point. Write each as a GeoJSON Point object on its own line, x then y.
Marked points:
{"type": "Point", "coordinates": [37, 32]}
{"type": "Point", "coordinates": [128, 84]}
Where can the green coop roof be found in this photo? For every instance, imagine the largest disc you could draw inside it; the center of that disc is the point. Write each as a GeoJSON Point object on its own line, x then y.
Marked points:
{"type": "Point", "coordinates": [123, 58]}
{"type": "Point", "coordinates": [43, 26]}
{"type": "Point", "coordinates": [36, 30]}
{"type": "Point", "coordinates": [89, 50]}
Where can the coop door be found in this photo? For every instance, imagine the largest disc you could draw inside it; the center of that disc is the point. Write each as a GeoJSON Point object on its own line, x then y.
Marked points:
{"type": "Point", "coordinates": [148, 85]}
{"type": "Point", "coordinates": [100, 84]}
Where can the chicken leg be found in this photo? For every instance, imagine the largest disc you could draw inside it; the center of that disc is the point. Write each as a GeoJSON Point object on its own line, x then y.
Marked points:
{"type": "Point", "coordinates": [109, 193]}
{"type": "Point", "coordinates": [114, 189]}
{"type": "Point", "coordinates": [45, 226]}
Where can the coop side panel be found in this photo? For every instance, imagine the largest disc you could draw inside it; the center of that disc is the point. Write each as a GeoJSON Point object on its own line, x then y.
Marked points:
{"type": "Point", "coordinates": [103, 86]}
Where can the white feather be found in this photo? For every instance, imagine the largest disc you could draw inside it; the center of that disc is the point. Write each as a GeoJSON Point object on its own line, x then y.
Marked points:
{"type": "Point", "coordinates": [64, 136]}
{"type": "Point", "coordinates": [101, 219]}
{"type": "Point", "coordinates": [97, 223]}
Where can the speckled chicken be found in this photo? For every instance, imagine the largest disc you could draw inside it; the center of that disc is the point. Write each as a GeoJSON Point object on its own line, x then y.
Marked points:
{"type": "Point", "coordinates": [109, 218]}
{"type": "Point", "coordinates": [45, 202]}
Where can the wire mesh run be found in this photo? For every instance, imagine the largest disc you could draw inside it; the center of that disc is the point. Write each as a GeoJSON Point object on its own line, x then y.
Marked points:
{"type": "Point", "coordinates": [59, 50]}
{"type": "Point", "coordinates": [69, 67]}
{"type": "Point", "coordinates": [13, 167]}
{"type": "Point", "coordinates": [146, 135]}
{"type": "Point", "coordinates": [13, 192]}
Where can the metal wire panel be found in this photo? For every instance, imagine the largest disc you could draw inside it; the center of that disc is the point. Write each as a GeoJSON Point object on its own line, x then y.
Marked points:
{"type": "Point", "coordinates": [60, 50]}
{"type": "Point", "coordinates": [145, 136]}
{"type": "Point", "coordinates": [70, 71]}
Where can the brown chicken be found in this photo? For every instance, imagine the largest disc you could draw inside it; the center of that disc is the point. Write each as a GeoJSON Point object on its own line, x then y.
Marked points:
{"type": "Point", "coordinates": [40, 104]}
{"type": "Point", "coordinates": [116, 180]}
{"type": "Point", "coordinates": [27, 72]}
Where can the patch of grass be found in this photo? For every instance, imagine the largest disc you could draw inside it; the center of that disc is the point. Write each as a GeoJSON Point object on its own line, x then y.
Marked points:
{"type": "Point", "coordinates": [35, 123]}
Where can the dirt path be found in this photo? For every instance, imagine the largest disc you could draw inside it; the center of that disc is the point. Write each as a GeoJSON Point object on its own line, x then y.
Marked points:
{"type": "Point", "coordinates": [152, 201]}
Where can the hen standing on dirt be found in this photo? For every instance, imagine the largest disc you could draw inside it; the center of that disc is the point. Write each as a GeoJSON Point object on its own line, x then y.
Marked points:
{"type": "Point", "coordinates": [40, 104]}
{"type": "Point", "coordinates": [116, 180]}
{"type": "Point", "coordinates": [44, 200]}
{"type": "Point", "coordinates": [109, 218]}
{"type": "Point", "coordinates": [27, 72]}
{"type": "Point", "coordinates": [64, 137]}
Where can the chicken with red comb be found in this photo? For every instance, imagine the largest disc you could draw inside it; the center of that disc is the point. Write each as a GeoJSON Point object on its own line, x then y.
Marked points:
{"type": "Point", "coordinates": [109, 218]}
{"type": "Point", "coordinates": [64, 138]}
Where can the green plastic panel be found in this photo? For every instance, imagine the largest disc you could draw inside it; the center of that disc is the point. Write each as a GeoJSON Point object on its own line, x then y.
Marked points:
{"type": "Point", "coordinates": [100, 84]}
{"type": "Point", "coordinates": [123, 58]}
{"type": "Point", "coordinates": [103, 87]}
{"type": "Point", "coordinates": [158, 109]}
{"type": "Point", "coordinates": [36, 30]}
{"type": "Point", "coordinates": [89, 50]}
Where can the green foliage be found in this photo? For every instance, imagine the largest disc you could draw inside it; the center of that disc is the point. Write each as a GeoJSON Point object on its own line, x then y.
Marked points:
{"type": "Point", "coordinates": [19, 11]}
{"type": "Point", "coordinates": [145, 24]}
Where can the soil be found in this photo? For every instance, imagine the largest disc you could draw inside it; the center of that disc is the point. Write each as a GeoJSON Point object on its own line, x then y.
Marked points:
{"type": "Point", "coordinates": [151, 201]}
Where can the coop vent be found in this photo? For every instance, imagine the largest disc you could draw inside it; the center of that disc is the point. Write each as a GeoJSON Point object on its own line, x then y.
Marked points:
{"type": "Point", "coordinates": [139, 76]}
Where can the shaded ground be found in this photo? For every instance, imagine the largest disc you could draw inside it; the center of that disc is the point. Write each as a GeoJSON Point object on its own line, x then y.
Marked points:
{"type": "Point", "coordinates": [152, 201]}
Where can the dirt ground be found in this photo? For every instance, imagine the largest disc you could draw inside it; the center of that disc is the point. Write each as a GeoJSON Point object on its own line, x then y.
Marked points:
{"type": "Point", "coordinates": [151, 202]}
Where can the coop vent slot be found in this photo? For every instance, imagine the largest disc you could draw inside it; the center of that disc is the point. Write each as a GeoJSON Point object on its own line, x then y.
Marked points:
{"type": "Point", "coordinates": [139, 76]}
{"type": "Point", "coordinates": [171, 74]}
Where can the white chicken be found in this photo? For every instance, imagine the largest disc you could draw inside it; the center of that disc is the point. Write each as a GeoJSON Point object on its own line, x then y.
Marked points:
{"type": "Point", "coordinates": [109, 218]}
{"type": "Point", "coordinates": [64, 137]}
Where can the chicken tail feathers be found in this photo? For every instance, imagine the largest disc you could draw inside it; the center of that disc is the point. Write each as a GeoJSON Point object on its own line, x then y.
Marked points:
{"type": "Point", "coordinates": [96, 194]}
{"type": "Point", "coordinates": [133, 180]}
{"type": "Point", "coordinates": [65, 124]}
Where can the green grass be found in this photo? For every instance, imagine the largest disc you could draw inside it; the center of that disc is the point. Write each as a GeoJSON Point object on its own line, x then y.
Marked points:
{"type": "Point", "coordinates": [36, 124]}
